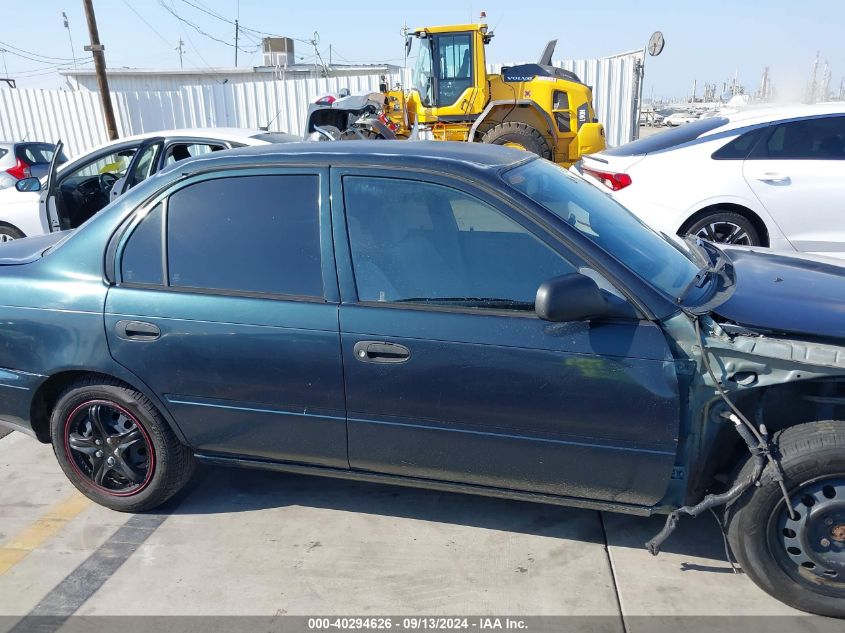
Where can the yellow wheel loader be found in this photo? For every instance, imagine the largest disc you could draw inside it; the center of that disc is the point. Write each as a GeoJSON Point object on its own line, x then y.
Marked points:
{"type": "Point", "coordinates": [535, 107]}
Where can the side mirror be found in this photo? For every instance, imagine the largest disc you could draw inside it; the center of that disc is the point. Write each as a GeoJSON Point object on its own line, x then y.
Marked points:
{"type": "Point", "coordinates": [572, 297]}
{"type": "Point", "coordinates": [408, 44]}
{"type": "Point", "coordinates": [28, 184]}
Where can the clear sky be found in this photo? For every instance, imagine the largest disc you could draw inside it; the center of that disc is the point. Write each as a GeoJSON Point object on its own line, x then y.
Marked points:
{"type": "Point", "coordinates": [707, 40]}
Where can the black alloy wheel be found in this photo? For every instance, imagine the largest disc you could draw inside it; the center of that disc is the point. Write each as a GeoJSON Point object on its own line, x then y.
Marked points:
{"type": "Point", "coordinates": [107, 446]}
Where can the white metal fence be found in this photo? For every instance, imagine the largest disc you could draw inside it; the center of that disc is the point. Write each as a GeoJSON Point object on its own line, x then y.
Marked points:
{"type": "Point", "coordinates": [282, 104]}
{"type": "Point", "coordinates": [75, 116]}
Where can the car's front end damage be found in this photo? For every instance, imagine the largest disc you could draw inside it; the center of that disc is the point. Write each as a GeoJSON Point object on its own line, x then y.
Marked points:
{"type": "Point", "coordinates": [754, 362]}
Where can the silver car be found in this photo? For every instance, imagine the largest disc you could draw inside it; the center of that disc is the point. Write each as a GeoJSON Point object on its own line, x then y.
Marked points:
{"type": "Point", "coordinates": [25, 160]}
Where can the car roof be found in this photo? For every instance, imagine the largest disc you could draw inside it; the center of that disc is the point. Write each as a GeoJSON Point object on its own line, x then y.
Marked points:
{"type": "Point", "coordinates": [16, 143]}
{"type": "Point", "coordinates": [412, 154]}
{"type": "Point", "coordinates": [240, 135]}
{"type": "Point", "coordinates": [776, 112]}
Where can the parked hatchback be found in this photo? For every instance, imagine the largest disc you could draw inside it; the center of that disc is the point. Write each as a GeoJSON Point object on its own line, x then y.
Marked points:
{"type": "Point", "coordinates": [25, 160]}
{"type": "Point", "coordinates": [769, 177]}
{"type": "Point", "coordinates": [447, 315]}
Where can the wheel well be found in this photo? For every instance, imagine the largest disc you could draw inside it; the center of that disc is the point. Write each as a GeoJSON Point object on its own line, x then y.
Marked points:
{"type": "Point", "coordinates": [48, 394]}
{"type": "Point", "coordinates": [777, 407]}
{"type": "Point", "coordinates": [516, 114]}
{"type": "Point", "coordinates": [747, 213]}
{"type": "Point", "coordinates": [11, 226]}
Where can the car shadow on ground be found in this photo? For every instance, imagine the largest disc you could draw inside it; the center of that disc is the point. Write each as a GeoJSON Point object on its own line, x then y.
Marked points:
{"type": "Point", "coordinates": [227, 490]}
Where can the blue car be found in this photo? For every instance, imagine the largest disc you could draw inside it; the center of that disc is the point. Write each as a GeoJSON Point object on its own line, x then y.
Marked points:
{"type": "Point", "coordinates": [449, 316]}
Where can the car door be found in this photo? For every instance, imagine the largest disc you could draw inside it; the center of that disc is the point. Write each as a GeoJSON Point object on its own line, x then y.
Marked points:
{"type": "Point", "coordinates": [225, 305]}
{"type": "Point", "coordinates": [797, 172]}
{"type": "Point", "coordinates": [449, 373]}
{"type": "Point", "coordinates": [143, 165]}
{"type": "Point", "coordinates": [63, 206]}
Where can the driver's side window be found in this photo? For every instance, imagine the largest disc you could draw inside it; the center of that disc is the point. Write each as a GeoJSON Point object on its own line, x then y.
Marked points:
{"type": "Point", "coordinates": [113, 163]}
{"type": "Point", "coordinates": [423, 243]}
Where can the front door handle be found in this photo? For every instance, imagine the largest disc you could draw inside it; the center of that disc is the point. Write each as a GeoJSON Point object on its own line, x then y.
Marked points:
{"type": "Point", "coordinates": [381, 352]}
{"type": "Point", "coordinates": [137, 330]}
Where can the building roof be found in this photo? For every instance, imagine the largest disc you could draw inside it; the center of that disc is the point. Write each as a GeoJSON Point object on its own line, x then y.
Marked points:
{"type": "Point", "coordinates": [290, 68]}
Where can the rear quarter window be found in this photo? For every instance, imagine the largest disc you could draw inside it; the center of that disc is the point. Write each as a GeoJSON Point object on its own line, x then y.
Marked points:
{"type": "Point", "coordinates": [668, 139]}
{"type": "Point", "coordinates": [740, 147]}
{"type": "Point", "coordinates": [36, 153]}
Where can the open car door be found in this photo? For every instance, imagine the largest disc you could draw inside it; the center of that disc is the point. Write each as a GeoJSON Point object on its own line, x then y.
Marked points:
{"type": "Point", "coordinates": [143, 165]}
{"type": "Point", "coordinates": [49, 203]}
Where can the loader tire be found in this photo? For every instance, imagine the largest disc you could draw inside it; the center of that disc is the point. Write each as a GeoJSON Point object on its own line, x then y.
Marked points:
{"type": "Point", "coordinates": [520, 136]}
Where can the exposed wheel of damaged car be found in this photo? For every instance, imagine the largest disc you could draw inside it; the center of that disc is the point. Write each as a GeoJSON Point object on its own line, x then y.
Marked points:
{"type": "Point", "coordinates": [797, 552]}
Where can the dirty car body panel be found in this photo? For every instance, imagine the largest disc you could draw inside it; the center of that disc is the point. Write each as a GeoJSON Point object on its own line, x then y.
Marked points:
{"type": "Point", "coordinates": [615, 412]}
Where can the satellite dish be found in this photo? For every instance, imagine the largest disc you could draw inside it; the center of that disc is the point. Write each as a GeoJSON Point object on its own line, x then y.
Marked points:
{"type": "Point", "coordinates": [656, 44]}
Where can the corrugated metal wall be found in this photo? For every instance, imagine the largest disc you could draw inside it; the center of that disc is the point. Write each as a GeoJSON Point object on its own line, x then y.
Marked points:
{"type": "Point", "coordinates": [281, 104]}
{"type": "Point", "coordinates": [74, 116]}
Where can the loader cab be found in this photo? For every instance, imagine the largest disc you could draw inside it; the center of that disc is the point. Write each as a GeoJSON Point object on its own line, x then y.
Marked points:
{"type": "Point", "coordinates": [449, 70]}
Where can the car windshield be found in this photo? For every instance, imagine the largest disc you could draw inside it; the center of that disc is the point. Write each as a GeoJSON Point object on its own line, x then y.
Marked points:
{"type": "Point", "coordinates": [665, 264]}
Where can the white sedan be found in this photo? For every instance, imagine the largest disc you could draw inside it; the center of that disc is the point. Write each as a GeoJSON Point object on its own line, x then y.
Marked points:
{"type": "Point", "coordinates": [82, 187]}
{"type": "Point", "coordinates": [768, 177]}
{"type": "Point", "coordinates": [679, 118]}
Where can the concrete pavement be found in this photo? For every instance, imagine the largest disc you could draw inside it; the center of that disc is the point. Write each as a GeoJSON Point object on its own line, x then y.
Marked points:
{"type": "Point", "coordinates": [259, 543]}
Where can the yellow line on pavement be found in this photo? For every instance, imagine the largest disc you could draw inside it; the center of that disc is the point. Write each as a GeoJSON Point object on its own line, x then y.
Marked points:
{"type": "Point", "coordinates": [30, 538]}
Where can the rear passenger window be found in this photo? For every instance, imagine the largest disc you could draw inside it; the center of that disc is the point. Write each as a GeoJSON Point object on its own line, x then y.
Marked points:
{"type": "Point", "coordinates": [252, 234]}
{"type": "Point", "coordinates": [810, 139]}
{"type": "Point", "coordinates": [142, 256]}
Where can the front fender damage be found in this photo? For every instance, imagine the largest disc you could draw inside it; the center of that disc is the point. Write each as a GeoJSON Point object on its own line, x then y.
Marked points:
{"type": "Point", "coordinates": [732, 360]}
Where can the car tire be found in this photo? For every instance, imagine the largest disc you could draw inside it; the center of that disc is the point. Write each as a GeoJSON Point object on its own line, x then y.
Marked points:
{"type": "Point", "coordinates": [9, 233]}
{"type": "Point", "coordinates": [725, 227]}
{"type": "Point", "coordinates": [116, 448]}
{"type": "Point", "coordinates": [800, 562]}
{"type": "Point", "coordinates": [519, 135]}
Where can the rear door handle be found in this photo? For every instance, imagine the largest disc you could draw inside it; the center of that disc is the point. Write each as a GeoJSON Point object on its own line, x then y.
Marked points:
{"type": "Point", "coordinates": [380, 352]}
{"type": "Point", "coordinates": [137, 330]}
{"type": "Point", "coordinates": [776, 178]}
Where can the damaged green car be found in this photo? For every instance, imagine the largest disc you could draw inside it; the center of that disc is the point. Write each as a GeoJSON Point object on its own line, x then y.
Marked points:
{"type": "Point", "coordinates": [459, 317]}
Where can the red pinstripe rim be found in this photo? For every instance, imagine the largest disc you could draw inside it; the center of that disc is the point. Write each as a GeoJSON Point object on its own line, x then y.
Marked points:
{"type": "Point", "coordinates": [71, 418]}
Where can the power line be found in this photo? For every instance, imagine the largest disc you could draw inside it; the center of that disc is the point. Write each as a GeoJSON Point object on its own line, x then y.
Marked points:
{"type": "Point", "coordinates": [198, 29]}
{"type": "Point", "coordinates": [196, 5]}
{"type": "Point", "coordinates": [32, 54]}
{"type": "Point", "coordinates": [150, 26]}
{"type": "Point", "coordinates": [12, 51]}
{"type": "Point", "coordinates": [210, 70]}
{"type": "Point", "coordinates": [40, 72]}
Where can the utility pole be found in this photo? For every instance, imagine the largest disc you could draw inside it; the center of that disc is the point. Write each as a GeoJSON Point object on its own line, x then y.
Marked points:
{"type": "Point", "coordinates": [72, 50]}
{"type": "Point", "coordinates": [236, 42]}
{"type": "Point", "coordinates": [96, 49]}
{"type": "Point", "coordinates": [181, 50]}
